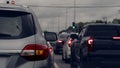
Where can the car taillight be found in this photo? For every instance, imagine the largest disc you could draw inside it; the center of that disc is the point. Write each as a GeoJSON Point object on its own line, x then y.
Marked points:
{"type": "Point", "coordinates": [59, 41]}
{"type": "Point", "coordinates": [51, 50]}
{"type": "Point", "coordinates": [90, 44]}
{"type": "Point", "coordinates": [116, 37]}
{"type": "Point", "coordinates": [70, 42]}
{"type": "Point", "coordinates": [35, 52]}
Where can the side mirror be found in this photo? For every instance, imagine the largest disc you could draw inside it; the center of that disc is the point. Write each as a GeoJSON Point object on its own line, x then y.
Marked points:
{"type": "Point", "coordinates": [50, 36]}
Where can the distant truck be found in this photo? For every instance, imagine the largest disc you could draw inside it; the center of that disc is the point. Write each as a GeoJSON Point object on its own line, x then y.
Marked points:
{"type": "Point", "coordinates": [98, 46]}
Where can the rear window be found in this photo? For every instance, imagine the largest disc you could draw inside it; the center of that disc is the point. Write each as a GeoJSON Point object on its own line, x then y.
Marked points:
{"type": "Point", "coordinates": [108, 31]}
{"type": "Point", "coordinates": [14, 24]}
{"type": "Point", "coordinates": [73, 36]}
{"type": "Point", "coordinates": [63, 36]}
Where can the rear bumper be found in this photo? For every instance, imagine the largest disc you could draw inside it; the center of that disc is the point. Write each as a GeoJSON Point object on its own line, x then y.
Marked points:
{"type": "Point", "coordinates": [58, 47]}
{"type": "Point", "coordinates": [104, 61]}
{"type": "Point", "coordinates": [101, 56]}
{"type": "Point", "coordinates": [16, 61]}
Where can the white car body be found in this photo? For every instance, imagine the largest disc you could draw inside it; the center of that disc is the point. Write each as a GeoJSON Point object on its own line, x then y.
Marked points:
{"type": "Point", "coordinates": [12, 47]}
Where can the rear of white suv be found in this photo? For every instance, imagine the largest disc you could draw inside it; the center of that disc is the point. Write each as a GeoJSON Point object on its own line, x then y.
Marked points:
{"type": "Point", "coordinates": [21, 42]}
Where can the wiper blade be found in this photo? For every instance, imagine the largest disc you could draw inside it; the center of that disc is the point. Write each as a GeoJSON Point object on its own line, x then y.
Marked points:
{"type": "Point", "coordinates": [4, 35]}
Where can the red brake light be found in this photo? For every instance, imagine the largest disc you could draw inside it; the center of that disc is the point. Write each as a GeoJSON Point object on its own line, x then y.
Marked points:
{"type": "Point", "coordinates": [90, 44]}
{"type": "Point", "coordinates": [70, 42]}
{"type": "Point", "coordinates": [116, 37]}
{"type": "Point", "coordinates": [51, 50]}
{"type": "Point", "coordinates": [35, 52]}
{"type": "Point", "coordinates": [59, 41]}
{"type": "Point", "coordinates": [90, 41]}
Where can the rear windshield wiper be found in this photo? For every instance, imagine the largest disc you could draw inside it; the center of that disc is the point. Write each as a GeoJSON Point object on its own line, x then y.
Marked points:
{"type": "Point", "coordinates": [4, 35]}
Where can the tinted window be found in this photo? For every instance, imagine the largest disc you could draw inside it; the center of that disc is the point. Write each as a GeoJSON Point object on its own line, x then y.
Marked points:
{"type": "Point", "coordinates": [63, 36]}
{"type": "Point", "coordinates": [16, 24]}
{"type": "Point", "coordinates": [74, 36]}
{"type": "Point", "coordinates": [102, 31]}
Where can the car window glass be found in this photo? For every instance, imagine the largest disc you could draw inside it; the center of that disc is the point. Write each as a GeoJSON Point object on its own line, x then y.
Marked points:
{"type": "Point", "coordinates": [16, 24]}
{"type": "Point", "coordinates": [73, 36]}
{"type": "Point", "coordinates": [102, 31]}
{"type": "Point", "coordinates": [82, 32]}
{"type": "Point", "coordinates": [63, 36]}
{"type": "Point", "coordinates": [10, 25]}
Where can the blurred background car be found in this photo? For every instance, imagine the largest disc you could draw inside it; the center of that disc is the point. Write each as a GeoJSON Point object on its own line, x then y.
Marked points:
{"type": "Point", "coordinates": [22, 44]}
{"type": "Point", "coordinates": [67, 46]}
{"type": "Point", "coordinates": [58, 47]}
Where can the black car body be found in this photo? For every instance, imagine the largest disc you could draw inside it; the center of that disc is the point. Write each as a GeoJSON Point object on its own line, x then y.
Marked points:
{"type": "Point", "coordinates": [58, 47]}
{"type": "Point", "coordinates": [98, 46]}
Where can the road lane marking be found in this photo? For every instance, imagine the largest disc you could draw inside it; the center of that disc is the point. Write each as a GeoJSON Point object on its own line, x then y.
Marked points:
{"type": "Point", "coordinates": [56, 66]}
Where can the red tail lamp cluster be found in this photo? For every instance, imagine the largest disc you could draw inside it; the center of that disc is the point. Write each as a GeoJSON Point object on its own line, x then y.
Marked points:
{"type": "Point", "coordinates": [35, 52]}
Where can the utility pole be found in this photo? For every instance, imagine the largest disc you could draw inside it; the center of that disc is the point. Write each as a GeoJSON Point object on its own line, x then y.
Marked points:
{"type": "Point", "coordinates": [58, 24]}
{"type": "Point", "coordinates": [66, 18]}
{"type": "Point", "coordinates": [105, 19]}
{"type": "Point", "coordinates": [74, 11]}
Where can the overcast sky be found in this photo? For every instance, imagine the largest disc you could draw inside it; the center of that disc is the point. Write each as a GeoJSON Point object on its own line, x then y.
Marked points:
{"type": "Point", "coordinates": [57, 18]}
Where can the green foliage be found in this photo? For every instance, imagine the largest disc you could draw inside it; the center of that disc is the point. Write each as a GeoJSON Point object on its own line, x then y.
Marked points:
{"type": "Point", "coordinates": [76, 27]}
{"type": "Point", "coordinates": [117, 21]}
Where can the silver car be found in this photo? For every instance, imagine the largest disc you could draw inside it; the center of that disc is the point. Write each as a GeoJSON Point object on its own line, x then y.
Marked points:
{"type": "Point", "coordinates": [22, 44]}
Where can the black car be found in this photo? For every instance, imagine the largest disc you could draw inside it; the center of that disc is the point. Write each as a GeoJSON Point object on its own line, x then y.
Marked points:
{"type": "Point", "coordinates": [58, 47]}
{"type": "Point", "coordinates": [98, 46]}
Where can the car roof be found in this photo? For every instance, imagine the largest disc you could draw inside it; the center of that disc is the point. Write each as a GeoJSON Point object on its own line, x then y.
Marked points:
{"type": "Point", "coordinates": [11, 7]}
{"type": "Point", "coordinates": [100, 24]}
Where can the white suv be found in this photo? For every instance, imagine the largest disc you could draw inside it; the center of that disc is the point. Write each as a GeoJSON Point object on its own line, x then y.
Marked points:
{"type": "Point", "coordinates": [22, 44]}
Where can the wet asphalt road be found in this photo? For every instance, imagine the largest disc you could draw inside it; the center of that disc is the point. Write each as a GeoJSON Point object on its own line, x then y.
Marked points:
{"type": "Point", "coordinates": [60, 63]}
